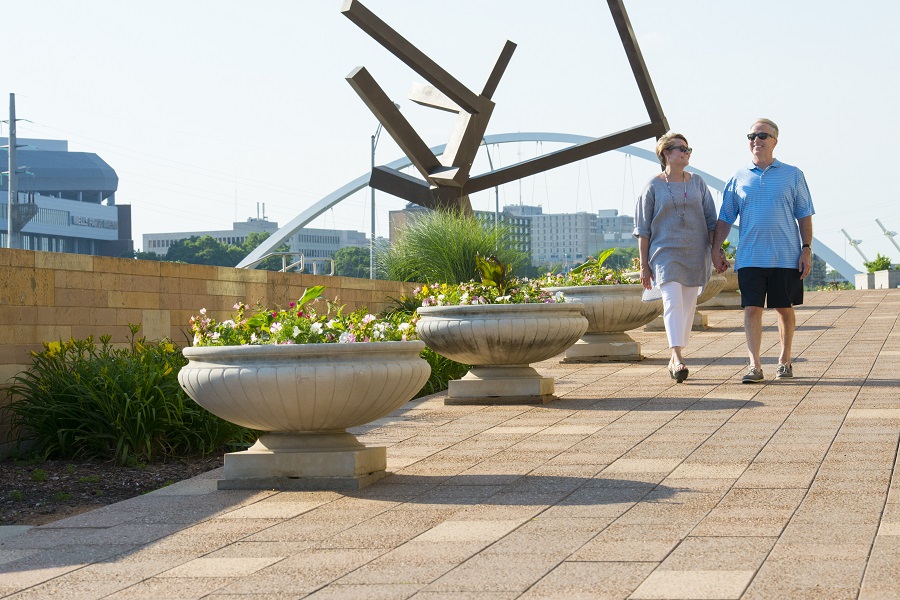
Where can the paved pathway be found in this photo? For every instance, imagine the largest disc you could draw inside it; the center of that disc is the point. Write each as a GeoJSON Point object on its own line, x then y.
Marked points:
{"type": "Point", "coordinates": [628, 487]}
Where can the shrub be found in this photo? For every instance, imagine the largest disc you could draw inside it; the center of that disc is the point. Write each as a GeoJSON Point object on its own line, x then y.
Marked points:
{"type": "Point", "coordinates": [81, 400]}
{"type": "Point", "coordinates": [881, 263]}
{"type": "Point", "coordinates": [441, 247]}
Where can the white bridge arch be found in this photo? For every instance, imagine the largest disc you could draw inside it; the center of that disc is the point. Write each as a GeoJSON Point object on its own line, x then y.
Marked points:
{"type": "Point", "coordinates": [338, 195]}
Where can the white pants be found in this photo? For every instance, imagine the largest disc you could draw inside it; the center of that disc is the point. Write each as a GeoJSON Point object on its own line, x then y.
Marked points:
{"type": "Point", "coordinates": [679, 304]}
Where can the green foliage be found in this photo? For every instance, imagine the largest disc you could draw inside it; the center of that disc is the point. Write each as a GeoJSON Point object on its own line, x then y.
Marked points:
{"type": "Point", "coordinates": [89, 479]}
{"type": "Point", "coordinates": [622, 258]}
{"type": "Point", "coordinates": [81, 400]}
{"type": "Point", "coordinates": [881, 263]}
{"type": "Point", "coordinates": [39, 475]}
{"type": "Point", "coordinates": [204, 251]}
{"type": "Point", "coordinates": [16, 495]}
{"type": "Point", "coordinates": [592, 272]}
{"type": "Point", "coordinates": [730, 252]}
{"type": "Point", "coordinates": [441, 246]}
{"type": "Point", "coordinates": [62, 497]}
{"type": "Point", "coordinates": [352, 261]}
{"type": "Point", "coordinates": [443, 370]}
{"type": "Point", "coordinates": [300, 323]}
{"type": "Point", "coordinates": [494, 273]}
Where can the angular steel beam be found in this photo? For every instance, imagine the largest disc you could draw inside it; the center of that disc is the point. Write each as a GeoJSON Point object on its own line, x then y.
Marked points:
{"type": "Point", "coordinates": [559, 158]}
{"type": "Point", "coordinates": [400, 47]}
{"type": "Point", "coordinates": [638, 66]}
{"type": "Point", "coordinates": [393, 120]}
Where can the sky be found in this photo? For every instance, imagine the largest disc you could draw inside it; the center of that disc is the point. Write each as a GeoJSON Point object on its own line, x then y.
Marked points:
{"type": "Point", "coordinates": [208, 109]}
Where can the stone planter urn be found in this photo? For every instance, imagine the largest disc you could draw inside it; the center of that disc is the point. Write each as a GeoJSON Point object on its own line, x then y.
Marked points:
{"type": "Point", "coordinates": [501, 341]}
{"type": "Point", "coordinates": [729, 297]}
{"type": "Point", "coordinates": [304, 397]}
{"type": "Point", "coordinates": [611, 310]}
{"type": "Point", "coordinates": [701, 322]}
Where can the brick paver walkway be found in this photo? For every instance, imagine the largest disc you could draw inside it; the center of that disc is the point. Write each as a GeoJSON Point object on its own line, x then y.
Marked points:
{"type": "Point", "coordinates": [629, 486]}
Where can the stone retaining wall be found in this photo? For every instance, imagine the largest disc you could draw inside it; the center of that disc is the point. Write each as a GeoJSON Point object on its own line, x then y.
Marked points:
{"type": "Point", "coordinates": [46, 296]}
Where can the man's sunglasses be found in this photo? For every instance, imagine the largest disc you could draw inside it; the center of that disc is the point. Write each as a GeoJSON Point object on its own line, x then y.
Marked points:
{"type": "Point", "coordinates": [685, 149]}
{"type": "Point", "coordinates": [762, 136]}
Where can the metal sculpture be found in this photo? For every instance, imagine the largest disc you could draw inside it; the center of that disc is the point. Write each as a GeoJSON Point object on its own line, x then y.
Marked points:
{"type": "Point", "coordinates": [448, 182]}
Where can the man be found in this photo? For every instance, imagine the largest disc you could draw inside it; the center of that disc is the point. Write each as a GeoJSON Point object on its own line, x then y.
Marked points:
{"type": "Point", "coordinates": [773, 252]}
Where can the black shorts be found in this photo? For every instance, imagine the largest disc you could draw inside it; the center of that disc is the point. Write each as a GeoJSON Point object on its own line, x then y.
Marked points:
{"type": "Point", "coordinates": [772, 288]}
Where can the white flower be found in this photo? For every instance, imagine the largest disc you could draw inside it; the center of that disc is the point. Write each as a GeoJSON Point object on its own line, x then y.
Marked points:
{"type": "Point", "coordinates": [464, 299]}
{"type": "Point", "coordinates": [559, 297]}
{"type": "Point", "coordinates": [276, 327]}
{"type": "Point", "coordinates": [317, 327]}
{"type": "Point", "coordinates": [197, 339]}
{"type": "Point", "coordinates": [330, 324]}
{"type": "Point", "coordinates": [252, 338]}
{"type": "Point", "coordinates": [403, 326]}
{"type": "Point", "coordinates": [215, 335]}
{"type": "Point", "coordinates": [229, 323]}
{"type": "Point", "coordinates": [202, 311]}
{"type": "Point", "coordinates": [368, 319]}
{"type": "Point", "coordinates": [296, 331]}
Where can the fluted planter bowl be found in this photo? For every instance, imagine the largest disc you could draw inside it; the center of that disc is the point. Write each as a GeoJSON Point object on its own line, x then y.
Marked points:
{"type": "Point", "coordinates": [728, 296]}
{"type": "Point", "coordinates": [501, 341]}
{"type": "Point", "coordinates": [304, 396]}
{"type": "Point", "coordinates": [712, 288]}
{"type": "Point", "coordinates": [611, 310]}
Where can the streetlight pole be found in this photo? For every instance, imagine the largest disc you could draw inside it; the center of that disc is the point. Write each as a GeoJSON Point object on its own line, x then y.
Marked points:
{"type": "Point", "coordinates": [372, 208]}
{"type": "Point", "coordinates": [375, 137]}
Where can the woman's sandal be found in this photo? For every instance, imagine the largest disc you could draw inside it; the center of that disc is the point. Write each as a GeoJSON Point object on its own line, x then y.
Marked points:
{"type": "Point", "coordinates": [679, 375]}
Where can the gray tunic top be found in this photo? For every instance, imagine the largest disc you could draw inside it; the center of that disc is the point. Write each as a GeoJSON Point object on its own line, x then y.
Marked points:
{"type": "Point", "coordinates": [679, 248]}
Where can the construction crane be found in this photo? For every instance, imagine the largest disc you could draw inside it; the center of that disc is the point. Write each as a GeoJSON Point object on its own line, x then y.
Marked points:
{"type": "Point", "coordinates": [889, 234]}
{"type": "Point", "coordinates": [855, 244]}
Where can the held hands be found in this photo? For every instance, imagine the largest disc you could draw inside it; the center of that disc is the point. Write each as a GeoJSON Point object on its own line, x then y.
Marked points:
{"type": "Point", "coordinates": [718, 260]}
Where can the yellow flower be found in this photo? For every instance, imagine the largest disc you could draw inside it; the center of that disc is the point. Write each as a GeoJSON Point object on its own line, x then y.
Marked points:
{"type": "Point", "coordinates": [53, 348]}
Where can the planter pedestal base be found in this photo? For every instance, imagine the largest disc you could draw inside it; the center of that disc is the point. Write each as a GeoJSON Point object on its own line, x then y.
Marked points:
{"type": "Point", "coordinates": [701, 323]}
{"type": "Point", "coordinates": [726, 300]}
{"type": "Point", "coordinates": [501, 385]}
{"type": "Point", "coordinates": [304, 461]}
{"type": "Point", "coordinates": [604, 347]}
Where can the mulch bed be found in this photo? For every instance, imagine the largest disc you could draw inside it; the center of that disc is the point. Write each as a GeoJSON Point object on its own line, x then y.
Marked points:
{"type": "Point", "coordinates": [36, 493]}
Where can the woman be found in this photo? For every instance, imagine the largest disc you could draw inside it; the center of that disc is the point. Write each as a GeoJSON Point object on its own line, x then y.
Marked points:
{"type": "Point", "coordinates": [674, 221]}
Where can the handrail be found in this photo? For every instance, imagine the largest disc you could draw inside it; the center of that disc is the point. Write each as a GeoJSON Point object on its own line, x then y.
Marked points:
{"type": "Point", "coordinates": [286, 267]}
{"type": "Point", "coordinates": [283, 255]}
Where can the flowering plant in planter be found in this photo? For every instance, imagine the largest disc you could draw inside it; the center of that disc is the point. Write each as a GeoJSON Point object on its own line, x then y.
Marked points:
{"type": "Point", "coordinates": [591, 272]}
{"type": "Point", "coordinates": [300, 323]}
{"type": "Point", "coordinates": [497, 286]}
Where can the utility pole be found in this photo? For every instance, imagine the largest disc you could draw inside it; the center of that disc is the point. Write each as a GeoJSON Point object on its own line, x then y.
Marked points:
{"type": "Point", "coordinates": [17, 215]}
{"type": "Point", "coordinates": [13, 183]}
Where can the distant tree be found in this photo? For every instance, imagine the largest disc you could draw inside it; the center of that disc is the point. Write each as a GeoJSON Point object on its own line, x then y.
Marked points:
{"type": "Point", "coordinates": [529, 271]}
{"type": "Point", "coordinates": [352, 261]}
{"type": "Point", "coordinates": [254, 239]}
{"type": "Point", "coordinates": [204, 251]}
{"type": "Point", "coordinates": [148, 256]}
{"type": "Point", "coordinates": [817, 276]}
{"type": "Point", "coordinates": [881, 263]}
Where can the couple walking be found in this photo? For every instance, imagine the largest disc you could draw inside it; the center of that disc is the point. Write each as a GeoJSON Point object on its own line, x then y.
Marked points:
{"type": "Point", "coordinates": [680, 242]}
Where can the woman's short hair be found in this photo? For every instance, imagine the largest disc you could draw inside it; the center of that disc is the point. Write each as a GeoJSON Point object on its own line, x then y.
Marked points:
{"type": "Point", "coordinates": [666, 142]}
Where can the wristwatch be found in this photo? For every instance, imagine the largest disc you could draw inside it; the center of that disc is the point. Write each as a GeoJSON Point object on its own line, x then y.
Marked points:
{"type": "Point", "coordinates": [805, 246]}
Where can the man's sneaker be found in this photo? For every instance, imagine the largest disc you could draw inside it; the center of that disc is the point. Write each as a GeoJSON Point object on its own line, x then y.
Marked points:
{"type": "Point", "coordinates": [753, 375]}
{"type": "Point", "coordinates": [784, 372]}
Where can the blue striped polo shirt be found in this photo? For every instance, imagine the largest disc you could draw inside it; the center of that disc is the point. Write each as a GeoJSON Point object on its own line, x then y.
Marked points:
{"type": "Point", "coordinates": [769, 202]}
